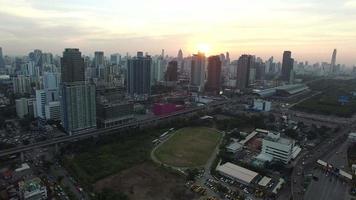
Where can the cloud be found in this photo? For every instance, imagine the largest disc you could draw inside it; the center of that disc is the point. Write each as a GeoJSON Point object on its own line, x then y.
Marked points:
{"type": "Point", "coordinates": [350, 4]}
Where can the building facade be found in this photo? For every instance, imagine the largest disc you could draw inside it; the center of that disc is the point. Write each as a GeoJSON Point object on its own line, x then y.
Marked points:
{"type": "Point", "coordinates": [78, 106]}
{"type": "Point", "coordinates": [214, 73]}
{"type": "Point", "coordinates": [139, 75]}
{"type": "Point", "coordinates": [279, 148]}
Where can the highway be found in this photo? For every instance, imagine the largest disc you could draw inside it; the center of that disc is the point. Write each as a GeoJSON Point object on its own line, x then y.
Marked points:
{"type": "Point", "coordinates": [97, 132]}
{"type": "Point", "coordinates": [308, 159]}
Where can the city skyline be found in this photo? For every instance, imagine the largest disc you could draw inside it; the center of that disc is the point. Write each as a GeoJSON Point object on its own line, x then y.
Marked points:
{"type": "Point", "coordinates": [259, 28]}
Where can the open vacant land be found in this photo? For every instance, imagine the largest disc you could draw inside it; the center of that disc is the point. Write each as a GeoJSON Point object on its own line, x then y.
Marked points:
{"type": "Point", "coordinates": [147, 182]}
{"type": "Point", "coordinates": [95, 160]}
{"type": "Point", "coordinates": [327, 103]}
{"type": "Point", "coordinates": [189, 147]}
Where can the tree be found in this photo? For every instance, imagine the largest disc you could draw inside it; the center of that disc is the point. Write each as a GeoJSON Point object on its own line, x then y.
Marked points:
{"type": "Point", "coordinates": [291, 133]}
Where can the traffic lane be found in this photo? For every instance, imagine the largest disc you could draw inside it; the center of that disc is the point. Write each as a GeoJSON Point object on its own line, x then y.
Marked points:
{"type": "Point", "coordinates": [338, 158]}
{"type": "Point", "coordinates": [297, 181]}
{"type": "Point", "coordinates": [328, 187]}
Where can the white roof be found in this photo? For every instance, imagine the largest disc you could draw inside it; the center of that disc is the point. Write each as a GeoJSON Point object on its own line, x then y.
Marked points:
{"type": "Point", "coordinates": [237, 172]}
{"type": "Point", "coordinates": [234, 146]}
{"type": "Point", "coordinates": [249, 137]}
{"type": "Point", "coordinates": [320, 162]}
{"type": "Point", "coordinates": [264, 181]}
{"type": "Point", "coordinates": [24, 166]}
{"type": "Point", "coordinates": [345, 174]}
{"type": "Point", "coordinates": [278, 186]}
{"type": "Point", "coordinates": [296, 151]}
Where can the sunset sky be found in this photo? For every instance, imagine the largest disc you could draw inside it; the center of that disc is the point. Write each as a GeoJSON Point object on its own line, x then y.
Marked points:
{"type": "Point", "coordinates": [311, 29]}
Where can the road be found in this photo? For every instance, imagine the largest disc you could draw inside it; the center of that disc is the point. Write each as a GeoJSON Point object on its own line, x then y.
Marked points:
{"type": "Point", "coordinates": [330, 187]}
{"type": "Point", "coordinates": [308, 159]}
{"type": "Point", "coordinates": [98, 132]}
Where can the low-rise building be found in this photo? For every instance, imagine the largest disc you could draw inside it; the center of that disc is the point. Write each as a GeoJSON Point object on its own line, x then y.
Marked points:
{"type": "Point", "coordinates": [237, 173]}
{"type": "Point", "coordinates": [352, 137]}
{"type": "Point", "coordinates": [261, 105]}
{"type": "Point", "coordinates": [234, 147]}
{"type": "Point", "coordinates": [33, 189]}
{"type": "Point", "coordinates": [277, 147]}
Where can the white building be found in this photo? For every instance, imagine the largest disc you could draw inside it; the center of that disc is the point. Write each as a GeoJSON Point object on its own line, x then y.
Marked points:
{"type": "Point", "coordinates": [261, 105]}
{"type": "Point", "coordinates": [40, 103]}
{"type": "Point", "coordinates": [234, 147]}
{"type": "Point", "coordinates": [53, 110]}
{"type": "Point", "coordinates": [25, 106]}
{"type": "Point", "coordinates": [277, 147]}
{"type": "Point", "coordinates": [22, 84]}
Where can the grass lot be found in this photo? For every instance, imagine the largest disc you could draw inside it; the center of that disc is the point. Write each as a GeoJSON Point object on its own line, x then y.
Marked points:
{"type": "Point", "coordinates": [189, 147]}
{"type": "Point", "coordinates": [147, 181]}
{"type": "Point", "coordinates": [327, 102]}
{"type": "Point", "coordinates": [95, 161]}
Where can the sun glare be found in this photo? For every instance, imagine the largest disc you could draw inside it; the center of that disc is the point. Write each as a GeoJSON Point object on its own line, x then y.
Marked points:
{"type": "Point", "coordinates": [204, 48]}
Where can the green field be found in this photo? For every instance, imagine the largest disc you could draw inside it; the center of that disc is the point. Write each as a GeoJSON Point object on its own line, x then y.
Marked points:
{"type": "Point", "coordinates": [189, 147]}
{"type": "Point", "coordinates": [327, 102]}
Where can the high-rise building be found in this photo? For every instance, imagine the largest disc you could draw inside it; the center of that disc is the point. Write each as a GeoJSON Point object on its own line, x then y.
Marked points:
{"type": "Point", "coordinates": [21, 84]}
{"type": "Point", "coordinates": [2, 61]}
{"type": "Point", "coordinates": [72, 66]}
{"type": "Point", "coordinates": [244, 64]}
{"type": "Point", "coordinates": [197, 75]}
{"type": "Point", "coordinates": [53, 111]}
{"type": "Point", "coordinates": [214, 73]}
{"type": "Point", "coordinates": [227, 58]}
{"type": "Point", "coordinates": [287, 66]}
{"type": "Point", "coordinates": [99, 59]}
{"type": "Point", "coordinates": [333, 62]}
{"type": "Point", "coordinates": [180, 60]}
{"type": "Point", "coordinates": [139, 75]}
{"type": "Point", "coordinates": [41, 103]}
{"type": "Point", "coordinates": [180, 54]}
{"type": "Point", "coordinates": [172, 71]}
{"type": "Point", "coordinates": [157, 70]}
{"type": "Point", "coordinates": [26, 106]}
{"type": "Point", "coordinates": [115, 59]}
{"type": "Point", "coordinates": [77, 96]}
{"type": "Point", "coordinates": [78, 107]}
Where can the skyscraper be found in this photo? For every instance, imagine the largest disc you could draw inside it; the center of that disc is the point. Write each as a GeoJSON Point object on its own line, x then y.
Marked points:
{"type": "Point", "coordinates": [214, 73]}
{"type": "Point", "coordinates": [139, 75]}
{"type": "Point", "coordinates": [287, 66]}
{"type": "Point", "coordinates": [171, 73]}
{"type": "Point", "coordinates": [98, 58]}
{"type": "Point", "coordinates": [227, 58]}
{"type": "Point", "coordinates": [77, 97]}
{"type": "Point", "coordinates": [115, 59]}
{"type": "Point", "coordinates": [72, 66]}
{"type": "Point", "coordinates": [244, 64]}
{"type": "Point", "coordinates": [99, 64]}
{"type": "Point", "coordinates": [157, 70]}
{"type": "Point", "coordinates": [180, 55]}
{"type": "Point", "coordinates": [333, 62]}
{"type": "Point", "coordinates": [197, 75]}
{"type": "Point", "coordinates": [180, 60]}
{"type": "Point", "coordinates": [2, 62]}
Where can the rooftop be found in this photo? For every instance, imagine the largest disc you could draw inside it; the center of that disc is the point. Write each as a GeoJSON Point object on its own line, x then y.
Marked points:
{"type": "Point", "coordinates": [237, 172]}
{"type": "Point", "coordinates": [30, 185]}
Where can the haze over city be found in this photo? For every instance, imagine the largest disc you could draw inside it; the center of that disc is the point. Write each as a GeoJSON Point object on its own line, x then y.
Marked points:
{"type": "Point", "coordinates": [177, 100]}
{"type": "Point", "coordinates": [311, 29]}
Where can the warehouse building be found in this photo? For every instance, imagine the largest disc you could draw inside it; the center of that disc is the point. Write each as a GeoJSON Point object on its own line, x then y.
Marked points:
{"type": "Point", "coordinates": [237, 173]}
